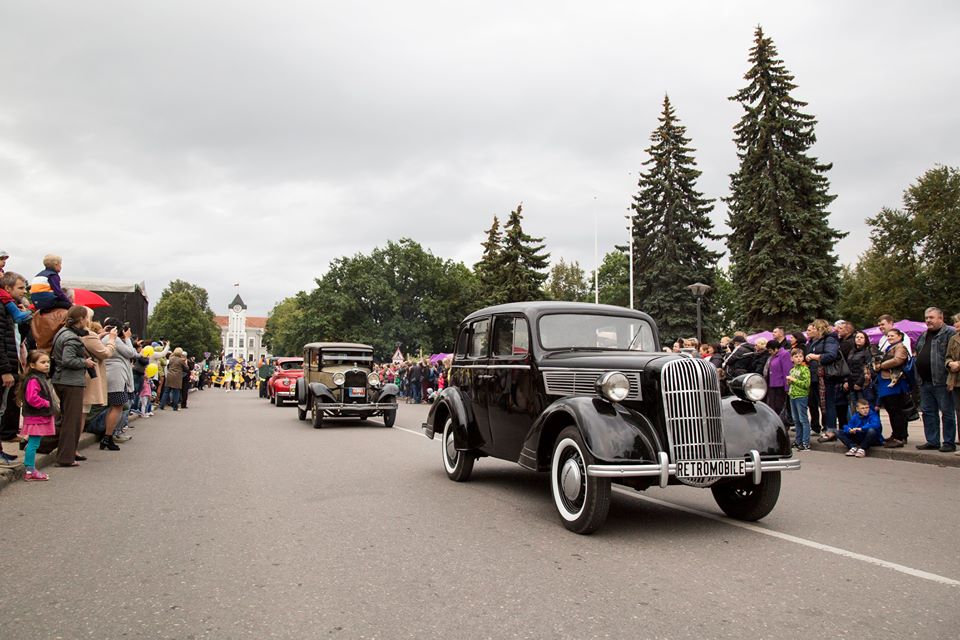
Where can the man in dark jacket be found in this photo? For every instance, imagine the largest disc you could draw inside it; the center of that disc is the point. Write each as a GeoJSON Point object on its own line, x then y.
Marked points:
{"type": "Point", "coordinates": [740, 360]}
{"type": "Point", "coordinates": [15, 285]}
{"type": "Point", "coordinates": [415, 377]}
{"type": "Point", "coordinates": [936, 402]}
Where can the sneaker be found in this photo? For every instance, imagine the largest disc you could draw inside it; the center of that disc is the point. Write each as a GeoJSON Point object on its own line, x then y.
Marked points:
{"type": "Point", "coordinates": [32, 475]}
{"type": "Point", "coordinates": [948, 448]}
{"type": "Point", "coordinates": [9, 462]}
{"type": "Point", "coordinates": [852, 452]}
{"type": "Point", "coordinates": [861, 453]}
{"type": "Point", "coordinates": [122, 438]}
{"type": "Point", "coordinates": [805, 447]}
{"type": "Point", "coordinates": [797, 445]}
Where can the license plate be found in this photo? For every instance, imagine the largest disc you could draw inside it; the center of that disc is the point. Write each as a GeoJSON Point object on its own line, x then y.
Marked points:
{"type": "Point", "coordinates": [711, 468]}
{"type": "Point", "coordinates": [357, 392]}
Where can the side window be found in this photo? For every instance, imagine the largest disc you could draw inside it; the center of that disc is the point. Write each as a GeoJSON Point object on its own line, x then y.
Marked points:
{"type": "Point", "coordinates": [479, 338]}
{"type": "Point", "coordinates": [510, 337]}
{"type": "Point", "coordinates": [462, 339]}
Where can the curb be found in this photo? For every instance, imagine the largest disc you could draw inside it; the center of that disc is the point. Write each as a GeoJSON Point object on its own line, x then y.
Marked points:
{"type": "Point", "coordinates": [9, 476]}
{"type": "Point", "coordinates": [907, 454]}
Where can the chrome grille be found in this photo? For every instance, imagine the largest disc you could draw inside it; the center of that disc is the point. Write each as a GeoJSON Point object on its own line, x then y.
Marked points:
{"type": "Point", "coordinates": [583, 382]}
{"type": "Point", "coordinates": [354, 378]}
{"type": "Point", "coordinates": [691, 409]}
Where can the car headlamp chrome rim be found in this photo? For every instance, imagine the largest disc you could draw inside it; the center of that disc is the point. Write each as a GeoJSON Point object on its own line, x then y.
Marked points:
{"type": "Point", "coordinates": [614, 386]}
{"type": "Point", "coordinates": [339, 379]}
{"type": "Point", "coordinates": [750, 386]}
{"type": "Point", "coordinates": [373, 379]}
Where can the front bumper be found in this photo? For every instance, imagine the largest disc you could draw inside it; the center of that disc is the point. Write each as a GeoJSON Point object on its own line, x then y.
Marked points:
{"type": "Point", "coordinates": [755, 468]}
{"type": "Point", "coordinates": [339, 407]}
{"type": "Point", "coordinates": [286, 393]}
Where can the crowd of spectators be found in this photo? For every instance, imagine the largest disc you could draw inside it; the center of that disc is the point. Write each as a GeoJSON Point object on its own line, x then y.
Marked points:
{"type": "Point", "coordinates": [418, 380]}
{"type": "Point", "coordinates": [832, 381]}
{"type": "Point", "coordinates": [64, 373]}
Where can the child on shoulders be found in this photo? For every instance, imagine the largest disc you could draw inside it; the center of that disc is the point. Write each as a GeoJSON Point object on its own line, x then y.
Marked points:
{"type": "Point", "coordinates": [45, 290]}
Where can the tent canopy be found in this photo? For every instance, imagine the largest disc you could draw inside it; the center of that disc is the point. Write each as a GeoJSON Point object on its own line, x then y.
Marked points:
{"type": "Point", "coordinates": [103, 285]}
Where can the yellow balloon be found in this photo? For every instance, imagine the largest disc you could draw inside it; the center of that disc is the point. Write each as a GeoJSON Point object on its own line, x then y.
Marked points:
{"type": "Point", "coordinates": [152, 369]}
{"type": "Point", "coordinates": [147, 351]}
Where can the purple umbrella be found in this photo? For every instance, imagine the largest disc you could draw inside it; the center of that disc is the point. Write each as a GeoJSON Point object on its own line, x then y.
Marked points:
{"type": "Point", "coordinates": [912, 328]}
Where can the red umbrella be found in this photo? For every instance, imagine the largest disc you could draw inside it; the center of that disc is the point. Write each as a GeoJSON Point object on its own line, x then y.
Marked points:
{"type": "Point", "coordinates": [88, 299]}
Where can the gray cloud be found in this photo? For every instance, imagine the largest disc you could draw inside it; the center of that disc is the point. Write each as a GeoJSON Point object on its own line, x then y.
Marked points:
{"type": "Point", "coordinates": [226, 141]}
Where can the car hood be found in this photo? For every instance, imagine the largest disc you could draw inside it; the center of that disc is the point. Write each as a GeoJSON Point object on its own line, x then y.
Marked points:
{"type": "Point", "coordinates": [612, 360]}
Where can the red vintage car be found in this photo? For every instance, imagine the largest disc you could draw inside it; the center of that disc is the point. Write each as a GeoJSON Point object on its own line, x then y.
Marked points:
{"type": "Point", "coordinates": [283, 384]}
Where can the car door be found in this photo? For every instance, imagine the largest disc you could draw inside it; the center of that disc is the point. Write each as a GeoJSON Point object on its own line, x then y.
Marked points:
{"type": "Point", "coordinates": [470, 371]}
{"type": "Point", "coordinates": [509, 385]}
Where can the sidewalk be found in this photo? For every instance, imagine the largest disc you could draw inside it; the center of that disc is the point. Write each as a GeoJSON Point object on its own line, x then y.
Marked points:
{"type": "Point", "coordinates": [908, 452]}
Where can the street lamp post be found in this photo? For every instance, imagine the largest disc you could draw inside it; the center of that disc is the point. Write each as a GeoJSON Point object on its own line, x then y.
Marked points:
{"type": "Point", "coordinates": [630, 218]}
{"type": "Point", "coordinates": [699, 290]}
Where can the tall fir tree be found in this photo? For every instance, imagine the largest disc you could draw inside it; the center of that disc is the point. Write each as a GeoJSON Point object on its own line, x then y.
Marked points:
{"type": "Point", "coordinates": [523, 263]}
{"type": "Point", "coordinates": [671, 226]}
{"type": "Point", "coordinates": [782, 261]}
{"type": "Point", "coordinates": [487, 270]}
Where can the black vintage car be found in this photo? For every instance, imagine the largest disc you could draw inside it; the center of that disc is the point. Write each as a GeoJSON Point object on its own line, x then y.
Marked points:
{"type": "Point", "coordinates": [583, 392]}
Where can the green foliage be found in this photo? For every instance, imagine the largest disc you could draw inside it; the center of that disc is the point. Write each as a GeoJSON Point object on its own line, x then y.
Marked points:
{"type": "Point", "coordinates": [613, 278]}
{"type": "Point", "coordinates": [397, 295]}
{"type": "Point", "coordinates": [725, 314]}
{"type": "Point", "coordinates": [182, 317]}
{"type": "Point", "coordinates": [568, 282]}
{"type": "Point", "coordinates": [522, 262]}
{"type": "Point", "coordinates": [281, 334]}
{"type": "Point", "coordinates": [671, 225]}
{"type": "Point", "coordinates": [912, 256]}
{"type": "Point", "coordinates": [781, 245]}
{"type": "Point", "coordinates": [488, 269]}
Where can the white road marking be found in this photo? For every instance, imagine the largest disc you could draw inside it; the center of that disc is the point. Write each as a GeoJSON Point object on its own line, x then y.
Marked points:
{"type": "Point", "coordinates": [910, 571]}
{"type": "Point", "coordinates": [917, 573]}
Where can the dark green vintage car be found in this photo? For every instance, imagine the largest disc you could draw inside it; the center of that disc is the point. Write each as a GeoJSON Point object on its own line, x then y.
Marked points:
{"type": "Point", "coordinates": [338, 381]}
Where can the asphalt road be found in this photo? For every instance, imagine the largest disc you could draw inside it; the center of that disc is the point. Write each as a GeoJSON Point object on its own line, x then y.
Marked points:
{"type": "Point", "coordinates": [235, 520]}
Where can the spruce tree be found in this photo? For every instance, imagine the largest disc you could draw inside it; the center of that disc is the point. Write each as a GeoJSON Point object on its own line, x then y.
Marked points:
{"type": "Point", "coordinates": [671, 225]}
{"type": "Point", "coordinates": [781, 244]}
{"type": "Point", "coordinates": [522, 261]}
{"type": "Point", "coordinates": [488, 269]}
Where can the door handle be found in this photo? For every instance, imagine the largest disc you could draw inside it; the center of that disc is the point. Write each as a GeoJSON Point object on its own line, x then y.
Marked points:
{"type": "Point", "coordinates": [484, 376]}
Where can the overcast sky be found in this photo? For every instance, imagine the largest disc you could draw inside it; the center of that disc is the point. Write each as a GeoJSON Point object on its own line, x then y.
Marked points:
{"type": "Point", "coordinates": [253, 142]}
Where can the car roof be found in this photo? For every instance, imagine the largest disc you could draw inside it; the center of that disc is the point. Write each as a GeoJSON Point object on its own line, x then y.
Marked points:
{"type": "Point", "coordinates": [289, 358]}
{"type": "Point", "coordinates": [540, 307]}
{"type": "Point", "coordinates": [337, 345]}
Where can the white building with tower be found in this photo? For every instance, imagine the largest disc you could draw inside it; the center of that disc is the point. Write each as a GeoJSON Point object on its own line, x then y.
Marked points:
{"type": "Point", "coordinates": [240, 334]}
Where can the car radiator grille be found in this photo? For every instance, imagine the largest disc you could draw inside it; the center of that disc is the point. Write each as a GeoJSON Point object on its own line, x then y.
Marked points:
{"type": "Point", "coordinates": [583, 382]}
{"type": "Point", "coordinates": [691, 409]}
{"type": "Point", "coordinates": [354, 379]}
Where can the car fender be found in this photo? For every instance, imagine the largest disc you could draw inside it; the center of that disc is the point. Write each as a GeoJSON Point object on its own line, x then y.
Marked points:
{"type": "Point", "coordinates": [612, 433]}
{"type": "Point", "coordinates": [454, 403]}
{"type": "Point", "coordinates": [320, 390]}
{"type": "Point", "coordinates": [752, 426]}
{"type": "Point", "coordinates": [388, 393]}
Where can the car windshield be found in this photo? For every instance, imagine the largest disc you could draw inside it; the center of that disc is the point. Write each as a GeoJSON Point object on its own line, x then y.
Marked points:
{"type": "Point", "coordinates": [595, 332]}
{"type": "Point", "coordinates": [291, 364]}
{"type": "Point", "coordinates": [346, 357]}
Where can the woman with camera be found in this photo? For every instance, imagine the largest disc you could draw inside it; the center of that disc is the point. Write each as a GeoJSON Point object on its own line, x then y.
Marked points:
{"type": "Point", "coordinates": [119, 379]}
{"type": "Point", "coordinates": [893, 389]}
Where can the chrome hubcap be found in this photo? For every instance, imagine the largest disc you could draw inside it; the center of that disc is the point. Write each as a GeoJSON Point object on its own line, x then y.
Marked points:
{"type": "Point", "coordinates": [571, 479]}
{"type": "Point", "coordinates": [451, 449]}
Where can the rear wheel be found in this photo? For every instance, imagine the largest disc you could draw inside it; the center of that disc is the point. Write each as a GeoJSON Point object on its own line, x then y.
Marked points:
{"type": "Point", "coordinates": [582, 501]}
{"type": "Point", "coordinates": [744, 500]}
{"type": "Point", "coordinates": [316, 414]}
{"type": "Point", "coordinates": [389, 417]}
{"type": "Point", "coordinates": [458, 464]}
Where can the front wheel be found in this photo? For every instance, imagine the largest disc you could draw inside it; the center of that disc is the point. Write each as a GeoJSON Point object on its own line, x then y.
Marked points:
{"type": "Point", "coordinates": [389, 417]}
{"type": "Point", "coordinates": [744, 500]}
{"type": "Point", "coordinates": [457, 464]}
{"type": "Point", "coordinates": [279, 401]}
{"type": "Point", "coordinates": [273, 399]}
{"type": "Point", "coordinates": [582, 501]}
{"type": "Point", "coordinates": [316, 414]}
{"type": "Point", "coordinates": [301, 413]}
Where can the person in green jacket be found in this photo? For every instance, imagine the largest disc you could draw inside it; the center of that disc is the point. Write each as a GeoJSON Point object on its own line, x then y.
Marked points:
{"type": "Point", "coordinates": [799, 381]}
{"type": "Point", "coordinates": [265, 372]}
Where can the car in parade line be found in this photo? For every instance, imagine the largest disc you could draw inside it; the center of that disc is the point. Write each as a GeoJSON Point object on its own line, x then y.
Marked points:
{"type": "Point", "coordinates": [282, 385]}
{"type": "Point", "coordinates": [583, 392]}
{"type": "Point", "coordinates": [339, 381]}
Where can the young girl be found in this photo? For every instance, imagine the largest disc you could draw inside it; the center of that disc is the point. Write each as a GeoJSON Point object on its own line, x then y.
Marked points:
{"type": "Point", "coordinates": [40, 404]}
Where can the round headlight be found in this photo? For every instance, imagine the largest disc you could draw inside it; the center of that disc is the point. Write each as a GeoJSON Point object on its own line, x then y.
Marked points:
{"type": "Point", "coordinates": [613, 386]}
{"type": "Point", "coordinates": [750, 386]}
{"type": "Point", "coordinates": [338, 379]}
{"type": "Point", "coordinates": [373, 379]}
